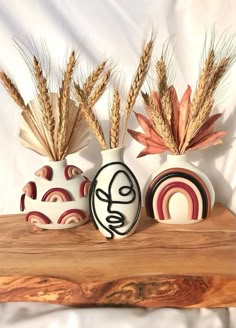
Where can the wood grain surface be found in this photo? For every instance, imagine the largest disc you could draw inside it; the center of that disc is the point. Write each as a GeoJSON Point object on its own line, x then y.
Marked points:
{"type": "Point", "coordinates": [160, 265]}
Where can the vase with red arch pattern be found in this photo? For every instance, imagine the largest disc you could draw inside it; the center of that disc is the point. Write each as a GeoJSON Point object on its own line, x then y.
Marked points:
{"type": "Point", "coordinates": [179, 192]}
{"type": "Point", "coordinates": [57, 197]}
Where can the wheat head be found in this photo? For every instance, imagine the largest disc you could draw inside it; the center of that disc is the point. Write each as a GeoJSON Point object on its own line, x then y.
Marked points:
{"type": "Point", "coordinates": [90, 117]}
{"type": "Point", "coordinates": [44, 97]}
{"type": "Point", "coordinates": [101, 87]}
{"type": "Point", "coordinates": [162, 128]}
{"type": "Point", "coordinates": [202, 85]}
{"type": "Point", "coordinates": [166, 106]}
{"type": "Point", "coordinates": [63, 99]}
{"type": "Point", "coordinates": [115, 120]}
{"type": "Point", "coordinates": [13, 91]}
{"type": "Point", "coordinates": [161, 76]}
{"type": "Point", "coordinates": [137, 83]}
{"type": "Point", "coordinates": [93, 78]}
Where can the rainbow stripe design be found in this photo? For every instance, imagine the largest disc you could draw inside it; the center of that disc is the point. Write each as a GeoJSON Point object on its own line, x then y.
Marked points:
{"type": "Point", "coordinates": [30, 190]}
{"type": "Point", "coordinates": [56, 195]}
{"type": "Point", "coordinates": [37, 218]}
{"type": "Point", "coordinates": [177, 180]}
{"type": "Point", "coordinates": [71, 170]}
{"type": "Point", "coordinates": [45, 172]}
{"type": "Point", "coordinates": [72, 216]}
{"type": "Point", "coordinates": [84, 188]}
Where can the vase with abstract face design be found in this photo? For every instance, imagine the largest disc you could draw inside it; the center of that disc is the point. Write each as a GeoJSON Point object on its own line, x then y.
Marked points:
{"type": "Point", "coordinates": [179, 192]}
{"type": "Point", "coordinates": [115, 197]}
{"type": "Point", "coordinates": [57, 198]}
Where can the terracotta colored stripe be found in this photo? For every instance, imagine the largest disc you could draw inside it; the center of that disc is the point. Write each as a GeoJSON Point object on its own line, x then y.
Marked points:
{"type": "Point", "coordinates": [166, 199]}
{"type": "Point", "coordinates": [178, 172]}
{"type": "Point", "coordinates": [178, 185]}
{"type": "Point", "coordinates": [188, 182]}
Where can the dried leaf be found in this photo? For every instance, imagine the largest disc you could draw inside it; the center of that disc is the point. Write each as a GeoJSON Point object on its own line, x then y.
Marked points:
{"type": "Point", "coordinates": [151, 151]}
{"type": "Point", "coordinates": [206, 128]}
{"type": "Point", "coordinates": [147, 141]}
{"type": "Point", "coordinates": [211, 139]}
{"type": "Point", "coordinates": [148, 129]}
{"type": "Point", "coordinates": [175, 114]}
{"type": "Point", "coordinates": [184, 109]}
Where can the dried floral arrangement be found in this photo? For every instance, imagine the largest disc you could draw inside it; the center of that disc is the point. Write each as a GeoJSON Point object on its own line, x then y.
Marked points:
{"type": "Point", "coordinates": [52, 125]}
{"type": "Point", "coordinates": [116, 132]}
{"type": "Point", "coordinates": [177, 126]}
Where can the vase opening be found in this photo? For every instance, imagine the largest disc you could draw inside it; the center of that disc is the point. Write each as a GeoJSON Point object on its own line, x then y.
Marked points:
{"type": "Point", "coordinates": [113, 155]}
{"type": "Point", "coordinates": [177, 158]}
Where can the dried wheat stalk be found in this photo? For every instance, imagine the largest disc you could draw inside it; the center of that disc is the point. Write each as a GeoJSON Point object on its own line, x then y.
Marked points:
{"type": "Point", "coordinates": [115, 120]}
{"type": "Point", "coordinates": [13, 91]}
{"type": "Point", "coordinates": [45, 102]}
{"type": "Point", "coordinates": [101, 87]}
{"type": "Point", "coordinates": [145, 97]}
{"type": "Point", "coordinates": [162, 128]}
{"type": "Point", "coordinates": [137, 83]}
{"type": "Point", "coordinates": [90, 117]}
{"type": "Point", "coordinates": [203, 83]}
{"type": "Point", "coordinates": [161, 76]}
{"type": "Point", "coordinates": [93, 78]}
{"type": "Point", "coordinates": [63, 100]}
{"type": "Point", "coordinates": [166, 106]}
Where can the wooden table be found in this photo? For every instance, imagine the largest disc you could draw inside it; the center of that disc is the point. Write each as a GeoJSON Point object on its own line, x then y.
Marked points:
{"type": "Point", "coordinates": [159, 266]}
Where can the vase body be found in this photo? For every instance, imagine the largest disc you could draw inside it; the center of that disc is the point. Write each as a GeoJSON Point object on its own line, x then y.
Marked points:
{"type": "Point", "coordinates": [115, 197]}
{"type": "Point", "coordinates": [179, 192]}
{"type": "Point", "coordinates": [57, 198]}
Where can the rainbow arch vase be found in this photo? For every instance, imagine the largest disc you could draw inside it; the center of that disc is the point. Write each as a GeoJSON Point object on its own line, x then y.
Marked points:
{"type": "Point", "coordinates": [57, 197]}
{"type": "Point", "coordinates": [179, 193]}
{"type": "Point", "coordinates": [115, 196]}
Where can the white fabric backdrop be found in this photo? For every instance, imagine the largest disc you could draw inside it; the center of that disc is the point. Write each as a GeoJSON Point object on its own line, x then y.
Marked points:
{"type": "Point", "coordinates": [116, 29]}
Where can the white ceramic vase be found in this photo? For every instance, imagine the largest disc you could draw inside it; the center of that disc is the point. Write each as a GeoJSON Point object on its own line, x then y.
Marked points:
{"type": "Point", "coordinates": [57, 198]}
{"type": "Point", "coordinates": [115, 197]}
{"type": "Point", "coordinates": [179, 192]}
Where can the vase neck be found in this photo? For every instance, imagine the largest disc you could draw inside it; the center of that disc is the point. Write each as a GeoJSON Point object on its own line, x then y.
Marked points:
{"type": "Point", "coordinates": [57, 164]}
{"type": "Point", "coordinates": [176, 158]}
{"type": "Point", "coordinates": [113, 155]}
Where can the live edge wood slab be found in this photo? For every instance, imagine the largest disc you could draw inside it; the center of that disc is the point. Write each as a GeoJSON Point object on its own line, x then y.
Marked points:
{"type": "Point", "coordinates": [159, 266]}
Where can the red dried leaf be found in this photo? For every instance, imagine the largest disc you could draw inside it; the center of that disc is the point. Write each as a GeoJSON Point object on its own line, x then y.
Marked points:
{"type": "Point", "coordinates": [151, 151]}
{"type": "Point", "coordinates": [147, 127]}
{"type": "Point", "coordinates": [206, 128]}
{"type": "Point", "coordinates": [184, 109]}
{"type": "Point", "coordinates": [145, 139]}
{"type": "Point", "coordinates": [211, 139]}
{"type": "Point", "coordinates": [143, 122]}
{"type": "Point", "coordinates": [175, 113]}
{"type": "Point", "coordinates": [138, 136]}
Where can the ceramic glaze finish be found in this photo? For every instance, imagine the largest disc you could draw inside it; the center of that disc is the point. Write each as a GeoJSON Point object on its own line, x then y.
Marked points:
{"type": "Point", "coordinates": [179, 192]}
{"type": "Point", "coordinates": [115, 197]}
{"type": "Point", "coordinates": [58, 197]}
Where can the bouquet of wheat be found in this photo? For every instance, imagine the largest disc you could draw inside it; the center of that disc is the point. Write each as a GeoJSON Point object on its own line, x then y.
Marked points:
{"type": "Point", "coordinates": [179, 192]}
{"type": "Point", "coordinates": [53, 126]}
{"type": "Point", "coordinates": [115, 197]}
